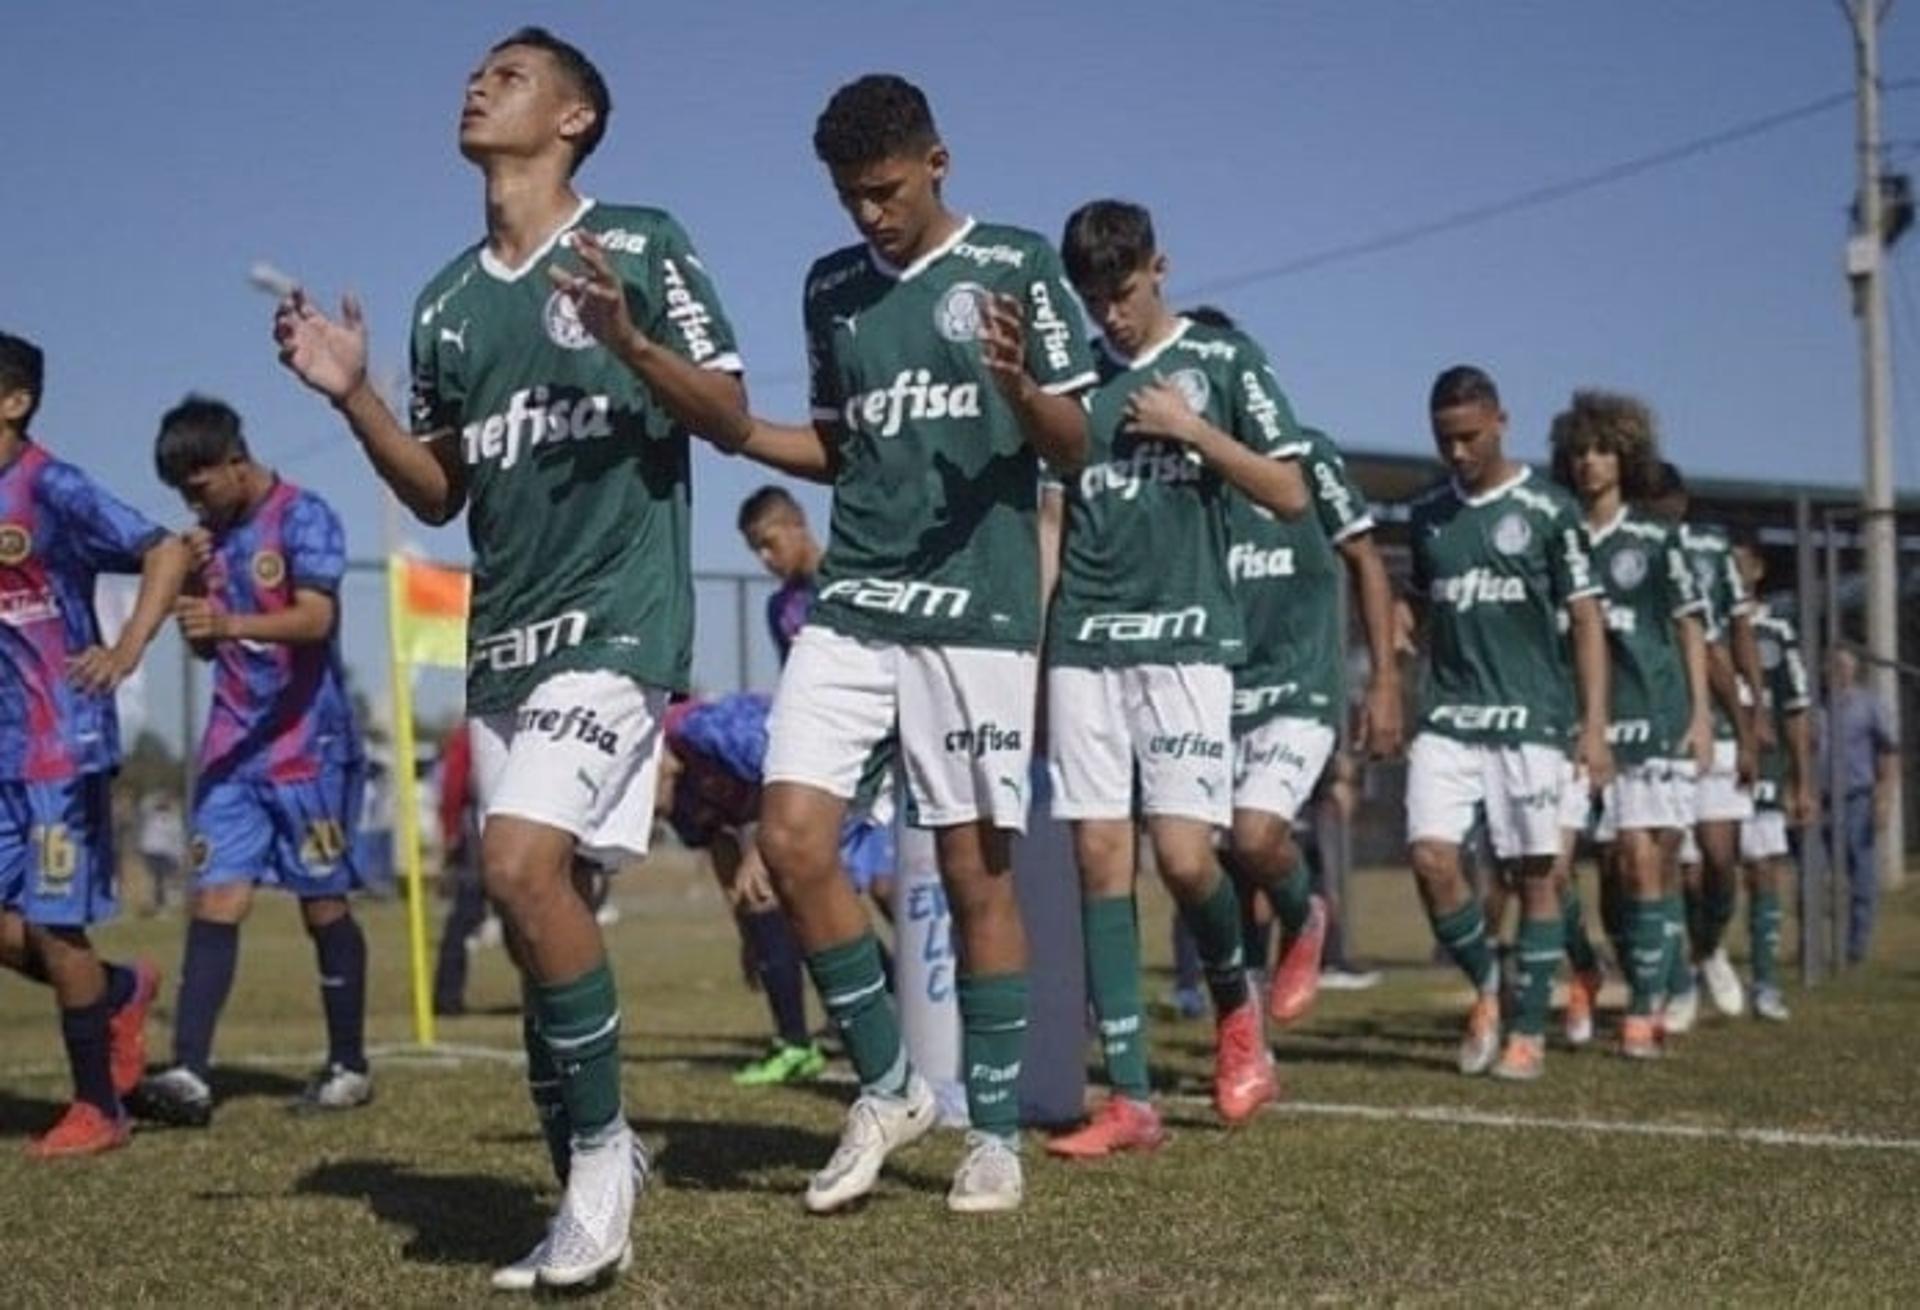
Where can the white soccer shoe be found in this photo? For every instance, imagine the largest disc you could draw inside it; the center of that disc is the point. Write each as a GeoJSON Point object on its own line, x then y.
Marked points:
{"type": "Point", "coordinates": [989, 1179]}
{"type": "Point", "coordinates": [876, 1127]}
{"type": "Point", "coordinates": [1723, 984]}
{"type": "Point", "coordinates": [523, 1275]}
{"type": "Point", "coordinates": [336, 1087]}
{"type": "Point", "coordinates": [593, 1234]}
{"type": "Point", "coordinates": [1682, 1012]}
{"type": "Point", "coordinates": [1767, 1004]}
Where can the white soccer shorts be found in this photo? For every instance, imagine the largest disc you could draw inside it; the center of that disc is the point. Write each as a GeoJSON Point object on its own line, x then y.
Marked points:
{"type": "Point", "coordinates": [1719, 797]}
{"type": "Point", "coordinates": [581, 753]}
{"type": "Point", "coordinates": [1576, 802]}
{"type": "Point", "coordinates": [1520, 787]}
{"type": "Point", "coordinates": [964, 715]}
{"type": "Point", "coordinates": [1277, 765]}
{"type": "Point", "coordinates": [1764, 836]}
{"type": "Point", "coordinates": [1653, 793]}
{"type": "Point", "coordinates": [1172, 721]}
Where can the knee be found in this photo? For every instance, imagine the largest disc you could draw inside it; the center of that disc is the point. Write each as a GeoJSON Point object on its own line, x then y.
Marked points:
{"type": "Point", "coordinates": [797, 849]}
{"type": "Point", "coordinates": [322, 913]}
{"type": "Point", "coordinates": [1263, 845]}
{"type": "Point", "coordinates": [519, 876]}
{"type": "Point", "coordinates": [1430, 862]}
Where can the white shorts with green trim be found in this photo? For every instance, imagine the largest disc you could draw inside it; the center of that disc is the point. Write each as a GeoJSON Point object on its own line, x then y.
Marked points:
{"type": "Point", "coordinates": [1520, 787]}
{"type": "Point", "coordinates": [1169, 721]}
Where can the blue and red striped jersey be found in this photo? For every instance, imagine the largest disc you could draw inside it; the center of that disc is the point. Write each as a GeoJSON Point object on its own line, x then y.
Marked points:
{"type": "Point", "coordinates": [280, 712]}
{"type": "Point", "coordinates": [59, 530]}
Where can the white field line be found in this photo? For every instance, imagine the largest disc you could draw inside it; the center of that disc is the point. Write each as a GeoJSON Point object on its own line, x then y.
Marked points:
{"type": "Point", "coordinates": [453, 1055]}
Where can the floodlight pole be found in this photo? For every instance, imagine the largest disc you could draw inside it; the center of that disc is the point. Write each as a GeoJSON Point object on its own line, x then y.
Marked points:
{"type": "Point", "coordinates": [1866, 266]}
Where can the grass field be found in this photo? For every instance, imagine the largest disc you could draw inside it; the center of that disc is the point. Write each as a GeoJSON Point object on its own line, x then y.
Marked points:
{"type": "Point", "coordinates": [1760, 1164]}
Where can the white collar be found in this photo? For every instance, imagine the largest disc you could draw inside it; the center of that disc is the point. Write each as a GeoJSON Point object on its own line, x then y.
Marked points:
{"type": "Point", "coordinates": [1147, 357]}
{"type": "Point", "coordinates": [1488, 497]}
{"type": "Point", "coordinates": [496, 269]}
{"type": "Point", "coordinates": [921, 264]}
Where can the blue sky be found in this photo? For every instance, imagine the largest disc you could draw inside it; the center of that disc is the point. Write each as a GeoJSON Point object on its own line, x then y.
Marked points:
{"type": "Point", "coordinates": [153, 152]}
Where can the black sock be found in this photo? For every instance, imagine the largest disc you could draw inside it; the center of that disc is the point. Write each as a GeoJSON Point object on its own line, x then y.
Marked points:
{"type": "Point", "coordinates": [206, 976]}
{"type": "Point", "coordinates": [776, 959]}
{"type": "Point", "coordinates": [121, 985]}
{"type": "Point", "coordinates": [341, 951]}
{"type": "Point", "coordinates": [84, 1031]}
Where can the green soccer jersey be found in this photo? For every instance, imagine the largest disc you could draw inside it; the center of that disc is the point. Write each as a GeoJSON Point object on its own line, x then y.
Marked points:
{"type": "Point", "coordinates": [1493, 570]}
{"type": "Point", "coordinates": [1144, 559]}
{"type": "Point", "coordinates": [933, 538]}
{"type": "Point", "coordinates": [1710, 556]}
{"type": "Point", "coordinates": [1648, 587]}
{"type": "Point", "coordinates": [1786, 693]}
{"type": "Point", "coordinates": [577, 478]}
{"type": "Point", "coordinates": [1287, 577]}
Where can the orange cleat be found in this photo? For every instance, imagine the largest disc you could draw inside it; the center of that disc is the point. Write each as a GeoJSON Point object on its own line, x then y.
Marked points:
{"type": "Point", "coordinates": [1640, 1037]}
{"type": "Point", "coordinates": [1297, 981]}
{"type": "Point", "coordinates": [127, 1030]}
{"type": "Point", "coordinates": [1121, 1124]}
{"type": "Point", "coordinates": [82, 1130]}
{"type": "Point", "coordinates": [1582, 994]}
{"type": "Point", "coordinates": [1243, 1074]}
{"type": "Point", "coordinates": [1524, 1060]}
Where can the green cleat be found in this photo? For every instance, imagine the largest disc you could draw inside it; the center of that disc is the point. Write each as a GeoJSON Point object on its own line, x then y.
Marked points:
{"type": "Point", "coordinates": [786, 1064]}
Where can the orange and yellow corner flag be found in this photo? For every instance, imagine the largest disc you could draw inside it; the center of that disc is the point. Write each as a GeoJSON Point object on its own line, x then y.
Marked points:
{"type": "Point", "coordinates": [429, 613]}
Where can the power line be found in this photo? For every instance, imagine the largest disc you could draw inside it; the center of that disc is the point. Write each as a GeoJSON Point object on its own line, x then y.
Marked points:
{"type": "Point", "coordinates": [1534, 197]}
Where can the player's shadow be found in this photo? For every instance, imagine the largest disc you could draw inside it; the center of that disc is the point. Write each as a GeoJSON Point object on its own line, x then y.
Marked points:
{"type": "Point", "coordinates": [457, 1219]}
{"type": "Point", "coordinates": [706, 1155]}
{"type": "Point", "coordinates": [239, 1083]}
{"type": "Point", "coordinates": [21, 1116]}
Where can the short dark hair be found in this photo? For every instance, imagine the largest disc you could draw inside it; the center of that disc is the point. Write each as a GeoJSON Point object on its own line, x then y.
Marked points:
{"type": "Point", "coordinates": [1214, 317]}
{"type": "Point", "coordinates": [765, 501]}
{"type": "Point", "coordinates": [1105, 243]}
{"type": "Point", "coordinates": [580, 71]}
{"type": "Point", "coordinates": [22, 368]}
{"type": "Point", "coordinates": [198, 433]}
{"type": "Point", "coordinates": [1611, 421]}
{"type": "Point", "coordinates": [1463, 384]}
{"type": "Point", "coordinates": [879, 116]}
{"type": "Point", "coordinates": [1667, 481]}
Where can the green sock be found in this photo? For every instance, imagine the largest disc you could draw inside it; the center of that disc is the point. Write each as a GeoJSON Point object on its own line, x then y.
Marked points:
{"type": "Point", "coordinates": [580, 1022]}
{"type": "Point", "coordinates": [1573, 921]}
{"type": "Point", "coordinates": [543, 1085]}
{"type": "Point", "coordinates": [1679, 962]}
{"type": "Point", "coordinates": [853, 988]}
{"type": "Point", "coordinates": [1646, 954]}
{"type": "Point", "coordinates": [1113, 983]}
{"type": "Point", "coordinates": [1538, 956]}
{"type": "Point", "coordinates": [1293, 899]}
{"type": "Point", "coordinates": [1763, 928]}
{"type": "Point", "coordinates": [1463, 932]}
{"type": "Point", "coordinates": [1214, 921]}
{"type": "Point", "coordinates": [993, 1018]}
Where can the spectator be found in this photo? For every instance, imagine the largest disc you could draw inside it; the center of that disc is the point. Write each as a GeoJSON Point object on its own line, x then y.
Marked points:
{"type": "Point", "coordinates": [162, 840]}
{"type": "Point", "coordinates": [1869, 756]}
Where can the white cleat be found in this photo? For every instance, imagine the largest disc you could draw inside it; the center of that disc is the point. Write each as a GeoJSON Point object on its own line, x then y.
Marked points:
{"type": "Point", "coordinates": [336, 1087]}
{"type": "Point", "coordinates": [592, 1236]}
{"type": "Point", "coordinates": [876, 1127]}
{"type": "Point", "coordinates": [1767, 1004]}
{"type": "Point", "coordinates": [989, 1179]}
{"type": "Point", "coordinates": [1723, 984]}
{"type": "Point", "coordinates": [1682, 1012]}
{"type": "Point", "coordinates": [523, 1275]}
{"type": "Point", "coordinates": [1480, 1044]}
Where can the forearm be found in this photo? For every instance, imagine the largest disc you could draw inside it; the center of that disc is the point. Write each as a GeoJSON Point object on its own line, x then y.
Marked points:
{"type": "Point", "coordinates": [1693, 654]}
{"type": "Point", "coordinates": [1590, 664]}
{"type": "Point", "coordinates": [1052, 533]}
{"type": "Point", "coordinates": [710, 403]}
{"type": "Point", "coordinates": [163, 572]}
{"type": "Point", "coordinates": [1746, 652]}
{"type": "Point", "coordinates": [1055, 426]}
{"type": "Point", "coordinates": [1800, 748]}
{"type": "Point", "coordinates": [293, 626]}
{"type": "Point", "coordinates": [1725, 685]}
{"type": "Point", "coordinates": [404, 462]}
{"type": "Point", "coordinates": [800, 452]}
{"type": "Point", "coordinates": [1373, 589]}
{"type": "Point", "coordinates": [1273, 484]}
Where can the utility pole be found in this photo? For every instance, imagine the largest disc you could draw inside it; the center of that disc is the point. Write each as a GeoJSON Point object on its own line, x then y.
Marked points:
{"type": "Point", "coordinates": [1866, 268]}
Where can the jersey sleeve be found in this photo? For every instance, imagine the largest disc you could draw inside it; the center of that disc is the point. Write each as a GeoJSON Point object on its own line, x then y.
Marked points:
{"type": "Point", "coordinates": [1792, 690]}
{"type": "Point", "coordinates": [316, 545]}
{"type": "Point", "coordinates": [1570, 560]}
{"type": "Point", "coordinates": [1059, 355]}
{"type": "Point", "coordinates": [1685, 592]}
{"type": "Point", "coordinates": [824, 398]}
{"type": "Point", "coordinates": [435, 396]}
{"type": "Point", "coordinates": [1738, 600]}
{"type": "Point", "coordinates": [1338, 503]}
{"type": "Point", "coordinates": [107, 534]}
{"type": "Point", "coordinates": [682, 305]}
{"type": "Point", "coordinates": [1259, 416]}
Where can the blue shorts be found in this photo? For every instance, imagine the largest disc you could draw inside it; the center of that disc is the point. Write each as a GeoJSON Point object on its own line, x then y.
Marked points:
{"type": "Point", "coordinates": [866, 850]}
{"type": "Point", "coordinates": [299, 836]}
{"type": "Point", "coordinates": [56, 850]}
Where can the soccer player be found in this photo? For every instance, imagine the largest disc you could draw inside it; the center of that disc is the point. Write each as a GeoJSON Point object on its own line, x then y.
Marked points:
{"type": "Point", "coordinates": [946, 357]}
{"type": "Point", "coordinates": [1142, 638]}
{"type": "Point", "coordinates": [559, 366]}
{"type": "Point", "coordinates": [60, 746]}
{"type": "Point", "coordinates": [1605, 451]}
{"type": "Point", "coordinates": [281, 774]}
{"type": "Point", "coordinates": [1723, 799]}
{"type": "Point", "coordinates": [1784, 793]}
{"type": "Point", "coordinates": [1496, 552]}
